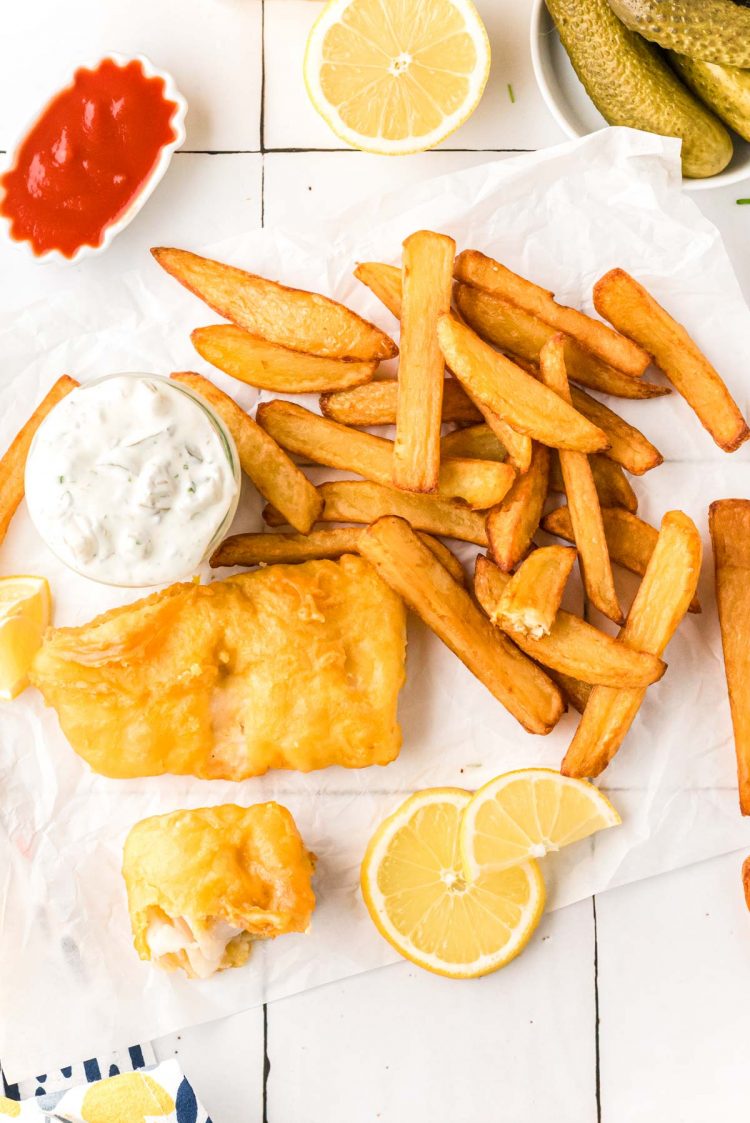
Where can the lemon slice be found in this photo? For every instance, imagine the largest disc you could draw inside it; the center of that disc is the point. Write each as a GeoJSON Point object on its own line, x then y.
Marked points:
{"type": "Point", "coordinates": [25, 609]}
{"type": "Point", "coordinates": [396, 76]}
{"type": "Point", "coordinates": [414, 889]}
{"type": "Point", "coordinates": [526, 814]}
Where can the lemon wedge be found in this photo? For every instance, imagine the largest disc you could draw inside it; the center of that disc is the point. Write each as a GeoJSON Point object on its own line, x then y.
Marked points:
{"type": "Point", "coordinates": [416, 894]}
{"type": "Point", "coordinates": [526, 814]}
{"type": "Point", "coordinates": [25, 610]}
{"type": "Point", "coordinates": [396, 76]}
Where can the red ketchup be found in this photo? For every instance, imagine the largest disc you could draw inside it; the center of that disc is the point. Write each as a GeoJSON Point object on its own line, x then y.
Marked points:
{"type": "Point", "coordinates": [87, 157]}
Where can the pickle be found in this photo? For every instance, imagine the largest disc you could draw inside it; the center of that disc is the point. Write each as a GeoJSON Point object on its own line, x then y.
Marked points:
{"type": "Point", "coordinates": [711, 30]}
{"type": "Point", "coordinates": [725, 88]}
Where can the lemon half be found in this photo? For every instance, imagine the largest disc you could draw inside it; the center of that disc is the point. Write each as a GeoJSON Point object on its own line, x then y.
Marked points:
{"type": "Point", "coordinates": [25, 610]}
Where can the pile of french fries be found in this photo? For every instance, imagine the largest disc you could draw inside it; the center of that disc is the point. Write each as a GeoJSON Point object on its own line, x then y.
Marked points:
{"type": "Point", "coordinates": [492, 417]}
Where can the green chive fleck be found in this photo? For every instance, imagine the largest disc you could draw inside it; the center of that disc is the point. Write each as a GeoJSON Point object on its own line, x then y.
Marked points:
{"type": "Point", "coordinates": [743, 202]}
{"type": "Point", "coordinates": [511, 95]}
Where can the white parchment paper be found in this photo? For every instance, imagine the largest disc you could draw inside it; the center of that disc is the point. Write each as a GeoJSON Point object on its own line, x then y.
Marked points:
{"type": "Point", "coordinates": [70, 982]}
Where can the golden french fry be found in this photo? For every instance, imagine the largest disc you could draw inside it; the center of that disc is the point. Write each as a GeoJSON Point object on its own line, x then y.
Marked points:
{"type": "Point", "coordinates": [13, 461]}
{"type": "Point", "coordinates": [414, 573]}
{"type": "Point", "coordinates": [359, 501]}
{"type": "Point", "coordinates": [573, 647]}
{"type": "Point", "coordinates": [523, 335]}
{"type": "Point", "coordinates": [662, 600]}
{"type": "Point", "coordinates": [532, 598]}
{"type": "Point", "coordinates": [583, 499]}
{"type": "Point", "coordinates": [269, 366]}
{"type": "Point", "coordinates": [630, 540]}
{"type": "Point", "coordinates": [483, 272]}
{"type": "Point", "coordinates": [513, 523]}
{"type": "Point", "coordinates": [518, 445]}
{"type": "Point", "coordinates": [327, 442]}
{"type": "Point", "coordinates": [575, 691]}
{"type": "Point", "coordinates": [729, 523]}
{"type": "Point", "coordinates": [627, 445]}
{"type": "Point", "coordinates": [384, 281]}
{"type": "Point", "coordinates": [375, 404]}
{"type": "Point", "coordinates": [476, 441]}
{"type": "Point", "coordinates": [626, 304]}
{"type": "Point", "coordinates": [515, 396]}
{"type": "Point", "coordinates": [426, 281]}
{"type": "Point", "coordinates": [612, 485]}
{"type": "Point", "coordinates": [746, 880]}
{"type": "Point", "coordinates": [277, 479]}
{"type": "Point", "coordinates": [299, 320]}
{"type": "Point", "coordinates": [270, 549]}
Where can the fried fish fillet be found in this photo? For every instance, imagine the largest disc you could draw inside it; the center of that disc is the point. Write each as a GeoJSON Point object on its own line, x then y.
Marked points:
{"type": "Point", "coordinates": [203, 884]}
{"type": "Point", "coordinates": [292, 666]}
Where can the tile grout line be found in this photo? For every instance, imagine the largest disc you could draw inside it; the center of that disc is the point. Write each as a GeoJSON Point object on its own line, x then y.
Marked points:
{"type": "Point", "coordinates": [596, 1024]}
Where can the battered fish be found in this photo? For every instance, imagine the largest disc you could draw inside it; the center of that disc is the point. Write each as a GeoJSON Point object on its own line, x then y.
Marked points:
{"type": "Point", "coordinates": [203, 884]}
{"type": "Point", "coordinates": [292, 666]}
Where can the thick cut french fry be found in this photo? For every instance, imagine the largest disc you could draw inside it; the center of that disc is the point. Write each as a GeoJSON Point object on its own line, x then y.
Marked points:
{"type": "Point", "coordinates": [375, 404]}
{"type": "Point", "coordinates": [327, 442]}
{"type": "Point", "coordinates": [515, 396]}
{"type": "Point", "coordinates": [384, 281]}
{"type": "Point", "coordinates": [270, 549]}
{"type": "Point", "coordinates": [276, 477]}
{"type": "Point", "coordinates": [426, 283]}
{"type": "Point", "coordinates": [532, 598]}
{"type": "Point", "coordinates": [662, 600]}
{"type": "Point", "coordinates": [522, 335]}
{"type": "Point", "coordinates": [729, 523]}
{"type": "Point", "coordinates": [627, 445]}
{"type": "Point", "coordinates": [269, 366]}
{"type": "Point", "coordinates": [612, 485]}
{"type": "Point", "coordinates": [626, 304]}
{"type": "Point", "coordinates": [573, 646]}
{"type": "Point", "coordinates": [476, 441]}
{"type": "Point", "coordinates": [513, 523]}
{"type": "Point", "coordinates": [299, 320]}
{"type": "Point", "coordinates": [483, 272]}
{"type": "Point", "coordinates": [359, 501]}
{"type": "Point", "coordinates": [575, 691]}
{"type": "Point", "coordinates": [630, 540]}
{"type": "Point", "coordinates": [583, 499]}
{"type": "Point", "coordinates": [518, 445]}
{"type": "Point", "coordinates": [414, 573]}
{"type": "Point", "coordinates": [13, 462]}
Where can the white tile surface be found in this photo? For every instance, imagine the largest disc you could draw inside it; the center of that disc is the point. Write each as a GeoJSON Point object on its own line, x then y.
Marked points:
{"type": "Point", "coordinates": [674, 997]}
{"type": "Point", "coordinates": [212, 48]}
{"type": "Point", "coordinates": [400, 1044]}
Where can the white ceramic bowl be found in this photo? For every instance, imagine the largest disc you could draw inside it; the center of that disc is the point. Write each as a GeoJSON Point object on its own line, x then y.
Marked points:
{"type": "Point", "coordinates": [577, 115]}
{"type": "Point", "coordinates": [178, 124]}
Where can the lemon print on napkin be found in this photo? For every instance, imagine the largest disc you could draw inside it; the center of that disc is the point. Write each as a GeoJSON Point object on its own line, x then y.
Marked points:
{"type": "Point", "coordinates": [9, 1108]}
{"type": "Point", "coordinates": [129, 1098]}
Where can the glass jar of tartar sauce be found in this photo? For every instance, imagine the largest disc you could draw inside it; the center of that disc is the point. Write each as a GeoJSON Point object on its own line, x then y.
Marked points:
{"type": "Point", "coordinates": [132, 480]}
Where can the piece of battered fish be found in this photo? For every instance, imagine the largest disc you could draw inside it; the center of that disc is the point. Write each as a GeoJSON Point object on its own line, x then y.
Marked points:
{"type": "Point", "coordinates": [292, 666]}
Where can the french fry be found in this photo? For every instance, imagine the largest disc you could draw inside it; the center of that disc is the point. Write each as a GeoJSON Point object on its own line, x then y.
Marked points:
{"type": "Point", "coordinates": [384, 281]}
{"type": "Point", "coordinates": [746, 880]}
{"type": "Point", "coordinates": [269, 366]}
{"type": "Point", "coordinates": [515, 396]}
{"type": "Point", "coordinates": [426, 282]}
{"type": "Point", "coordinates": [299, 320]}
{"type": "Point", "coordinates": [662, 600]}
{"type": "Point", "coordinates": [475, 441]}
{"type": "Point", "coordinates": [513, 523]}
{"type": "Point", "coordinates": [523, 335]}
{"type": "Point", "coordinates": [517, 445]}
{"type": "Point", "coordinates": [270, 549]}
{"type": "Point", "coordinates": [583, 499]}
{"type": "Point", "coordinates": [483, 272]}
{"type": "Point", "coordinates": [729, 523]}
{"type": "Point", "coordinates": [13, 462]}
{"type": "Point", "coordinates": [532, 598]}
{"type": "Point", "coordinates": [298, 430]}
{"type": "Point", "coordinates": [626, 304]}
{"type": "Point", "coordinates": [630, 540]}
{"type": "Point", "coordinates": [359, 501]}
{"type": "Point", "coordinates": [375, 404]}
{"type": "Point", "coordinates": [612, 485]}
{"type": "Point", "coordinates": [573, 647]}
{"type": "Point", "coordinates": [627, 445]}
{"type": "Point", "coordinates": [414, 573]}
{"type": "Point", "coordinates": [575, 691]}
{"type": "Point", "coordinates": [277, 479]}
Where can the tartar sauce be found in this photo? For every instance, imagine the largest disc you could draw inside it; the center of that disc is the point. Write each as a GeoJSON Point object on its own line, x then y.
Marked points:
{"type": "Point", "coordinates": [129, 479]}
